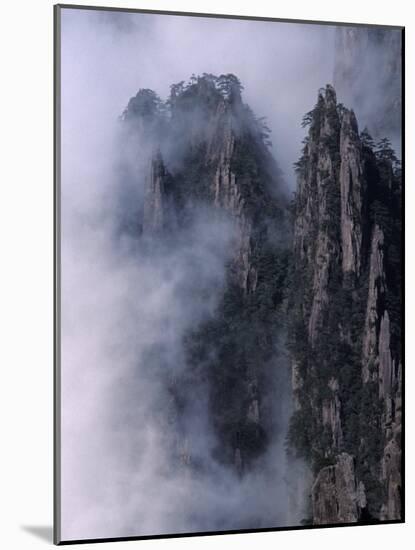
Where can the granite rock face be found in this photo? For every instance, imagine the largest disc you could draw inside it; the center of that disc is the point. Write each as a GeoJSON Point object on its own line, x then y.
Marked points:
{"type": "Point", "coordinates": [336, 496]}
{"type": "Point", "coordinates": [220, 138]}
{"type": "Point", "coordinates": [210, 155]}
{"type": "Point", "coordinates": [323, 296]}
{"type": "Point", "coordinates": [346, 349]}
{"type": "Point", "coordinates": [154, 207]}
{"type": "Point", "coordinates": [352, 190]}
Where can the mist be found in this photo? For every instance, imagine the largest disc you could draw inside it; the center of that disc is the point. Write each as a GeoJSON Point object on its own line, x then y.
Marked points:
{"type": "Point", "coordinates": [127, 304]}
{"type": "Point", "coordinates": [110, 56]}
{"type": "Point", "coordinates": [367, 78]}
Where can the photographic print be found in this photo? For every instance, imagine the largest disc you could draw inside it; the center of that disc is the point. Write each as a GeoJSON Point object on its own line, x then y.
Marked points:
{"type": "Point", "coordinates": [229, 252]}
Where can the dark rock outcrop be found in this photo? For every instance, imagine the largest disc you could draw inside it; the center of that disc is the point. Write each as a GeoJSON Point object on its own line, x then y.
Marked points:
{"type": "Point", "coordinates": [336, 496]}
{"type": "Point", "coordinates": [346, 349]}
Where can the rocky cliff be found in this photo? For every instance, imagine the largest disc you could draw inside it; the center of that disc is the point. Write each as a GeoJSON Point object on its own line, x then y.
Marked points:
{"type": "Point", "coordinates": [345, 347]}
{"type": "Point", "coordinates": [326, 293]}
{"type": "Point", "coordinates": [210, 153]}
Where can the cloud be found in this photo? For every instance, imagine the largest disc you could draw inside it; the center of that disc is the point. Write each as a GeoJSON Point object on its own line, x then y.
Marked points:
{"type": "Point", "coordinates": [123, 306]}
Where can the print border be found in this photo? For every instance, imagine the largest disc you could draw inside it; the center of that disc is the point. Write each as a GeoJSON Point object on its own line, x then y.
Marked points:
{"type": "Point", "coordinates": [57, 276]}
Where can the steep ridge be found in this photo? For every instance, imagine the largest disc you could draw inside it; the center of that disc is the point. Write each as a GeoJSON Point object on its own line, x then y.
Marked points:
{"type": "Point", "coordinates": [325, 293]}
{"type": "Point", "coordinates": [345, 326]}
{"type": "Point", "coordinates": [210, 154]}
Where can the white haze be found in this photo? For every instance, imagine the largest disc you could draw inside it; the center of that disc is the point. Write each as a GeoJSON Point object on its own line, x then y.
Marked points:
{"type": "Point", "coordinates": [372, 87]}
{"type": "Point", "coordinates": [116, 304]}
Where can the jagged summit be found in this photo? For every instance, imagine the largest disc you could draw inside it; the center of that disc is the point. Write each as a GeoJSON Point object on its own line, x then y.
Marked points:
{"type": "Point", "coordinates": [208, 88]}
{"type": "Point", "coordinates": [192, 109]}
{"type": "Point", "coordinates": [347, 235]}
{"type": "Point", "coordinates": [331, 281]}
{"type": "Point", "coordinates": [209, 148]}
{"type": "Point", "coordinates": [209, 152]}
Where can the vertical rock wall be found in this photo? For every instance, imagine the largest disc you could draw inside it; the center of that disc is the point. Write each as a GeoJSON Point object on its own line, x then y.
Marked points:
{"type": "Point", "coordinates": [347, 380]}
